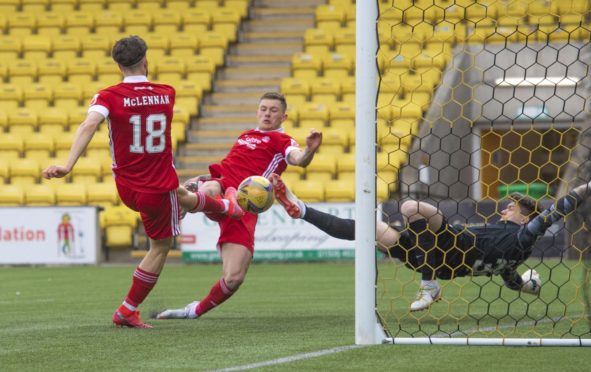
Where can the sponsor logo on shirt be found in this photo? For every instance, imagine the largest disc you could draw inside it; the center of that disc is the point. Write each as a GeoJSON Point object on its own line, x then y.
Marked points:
{"type": "Point", "coordinates": [146, 100]}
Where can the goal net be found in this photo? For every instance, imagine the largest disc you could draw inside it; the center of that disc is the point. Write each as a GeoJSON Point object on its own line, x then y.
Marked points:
{"type": "Point", "coordinates": [478, 99]}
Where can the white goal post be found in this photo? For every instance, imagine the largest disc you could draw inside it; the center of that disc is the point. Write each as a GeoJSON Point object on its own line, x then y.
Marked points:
{"type": "Point", "coordinates": [368, 329]}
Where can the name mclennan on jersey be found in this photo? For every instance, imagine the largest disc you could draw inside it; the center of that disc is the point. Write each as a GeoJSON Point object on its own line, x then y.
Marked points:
{"type": "Point", "coordinates": [146, 100]}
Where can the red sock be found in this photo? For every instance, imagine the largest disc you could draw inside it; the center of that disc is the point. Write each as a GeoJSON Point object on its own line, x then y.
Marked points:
{"type": "Point", "coordinates": [206, 203]}
{"type": "Point", "coordinates": [142, 284]}
{"type": "Point", "coordinates": [218, 294]}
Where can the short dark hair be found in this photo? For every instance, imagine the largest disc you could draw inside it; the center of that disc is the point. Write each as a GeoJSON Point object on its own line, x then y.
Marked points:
{"type": "Point", "coordinates": [129, 51]}
{"type": "Point", "coordinates": [277, 97]}
{"type": "Point", "coordinates": [527, 205]}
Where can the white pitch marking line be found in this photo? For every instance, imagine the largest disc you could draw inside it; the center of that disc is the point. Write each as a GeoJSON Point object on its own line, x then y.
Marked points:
{"type": "Point", "coordinates": [290, 359]}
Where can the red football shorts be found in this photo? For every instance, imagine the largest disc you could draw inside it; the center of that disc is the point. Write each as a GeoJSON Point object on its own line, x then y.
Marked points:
{"type": "Point", "coordinates": [238, 231]}
{"type": "Point", "coordinates": [160, 213]}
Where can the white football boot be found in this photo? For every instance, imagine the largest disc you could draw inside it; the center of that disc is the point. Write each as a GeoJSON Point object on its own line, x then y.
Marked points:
{"type": "Point", "coordinates": [187, 312]}
{"type": "Point", "coordinates": [427, 295]}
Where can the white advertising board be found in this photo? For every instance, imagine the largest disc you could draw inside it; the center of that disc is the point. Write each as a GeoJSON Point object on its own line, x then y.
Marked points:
{"type": "Point", "coordinates": [278, 237]}
{"type": "Point", "coordinates": [52, 235]}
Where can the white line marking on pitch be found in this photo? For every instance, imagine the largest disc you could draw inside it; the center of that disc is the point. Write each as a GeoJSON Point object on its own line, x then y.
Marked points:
{"type": "Point", "coordinates": [290, 359]}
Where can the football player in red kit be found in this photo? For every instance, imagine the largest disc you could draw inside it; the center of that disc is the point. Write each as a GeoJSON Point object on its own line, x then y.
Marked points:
{"type": "Point", "coordinates": [139, 116]}
{"type": "Point", "coordinates": [261, 151]}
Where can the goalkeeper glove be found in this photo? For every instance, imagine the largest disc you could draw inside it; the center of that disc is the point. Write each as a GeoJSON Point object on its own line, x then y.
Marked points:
{"type": "Point", "coordinates": [531, 282]}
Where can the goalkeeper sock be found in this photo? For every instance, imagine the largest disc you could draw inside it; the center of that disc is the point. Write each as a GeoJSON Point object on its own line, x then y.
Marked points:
{"type": "Point", "coordinates": [332, 225]}
{"type": "Point", "coordinates": [217, 294]}
{"type": "Point", "coordinates": [141, 285]}
{"type": "Point", "coordinates": [206, 203]}
{"type": "Point", "coordinates": [425, 253]}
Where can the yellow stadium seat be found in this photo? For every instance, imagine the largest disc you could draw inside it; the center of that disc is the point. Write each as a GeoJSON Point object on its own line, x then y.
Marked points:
{"type": "Point", "coordinates": [106, 70]}
{"type": "Point", "coordinates": [11, 96]}
{"type": "Point", "coordinates": [213, 45]}
{"type": "Point", "coordinates": [346, 163]}
{"type": "Point", "coordinates": [306, 66]}
{"type": "Point", "coordinates": [119, 223]}
{"type": "Point", "coordinates": [63, 6]}
{"type": "Point", "coordinates": [170, 68]}
{"type": "Point", "coordinates": [22, 121]}
{"type": "Point", "coordinates": [320, 177]}
{"type": "Point", "coordinates": [336, 137]}
{"type": "Point", "coordinates": [67, 96]}
{"type": "Point", "coordinates": [11, 196]}
{"type": "Point", "coordinates": [96, 46]}
{"type": "Point", "coordinates": [9, 6]}
{"type": "Point", "coordinates": [38, 145]}
{"type": "Point", "coordinates": [345, 42]}
{"type": "Point", "coordinates": [51, 71]}
{"type": "Point", "coordinates": [200, 69]}
{"type": "Point", "coordinates": [63, 143]}
{"type": "Point", "coordinates": [337, 66]}
{"type": "Point", "coordinates": [181, 114]}
{"type": "Point", "coordinates": [208, 4]}
{"type": "Point", "coordinates": [39, 195]}
{"type": "Point", "coordinates": [22, 72]}
{"type": "Point", "coordinates": [99, 144]}
{"type": "Point", "coordinates": [152, 5]}
{"type": "Point", "coordinates": [318, 41]}
{"type": "Point", "coordinates": [226, 21]}
{"type": "Point", "coordinates": [4, 169]}
{"type": "Point", "coordinates": [325, 90]}
{"type": "Point", "coordinates": [323, 163]}
{"type": "Point", "coordinates": [313, 115]}
{"type": "Point", "coordinates": [241, 6]}
{"type": "Point", "coordinates": [81, 71]}
{"type": "Point", "coordinates": [196, 20]}
{"type": "Point", "coordinates": [290, 177]}
{"type": "Point", "coordinates": [66, 47]}
{"type": "Point", "coordinates": [80, 24]}
{"type": "Point", "coordinates": [120, 6]}
{"type": "Point", "coordinates": [158, 45]}
{"type": "Point", "coordinates": [70, 194]}
{"type": "Point", "coordinates": [340, 191]}
{"type": "Point", "coordinates": [108, 23]}
{"type": "Point", "coordinates": [137, 22]}
{"type": "Point", "coordinates": [183, 45]}
{"type": "Point", "coordinates": [3, 70]}
{"type": "Point", "coordinates": [10, 47]}
{"type": "Point", "coordinates": [181, 5]}
{"type": "Point", "coordinates": [21, 24]}
{"type": "Point", "coordinates": [92, 5]}
{"type": "Point", "coordinates": [106, 167]}
{"type": "Point", "coordinates": [87, 170]}
{"type": "Point", "coordinates": [11, 146]}
{"type": "Point", "coordinates": [296, 91]}
{"type": "Point", "coordinates": [77, 116]}
{"type": "Point", "coordinates": [34, 6]}
{"type": "Point", "coordinates": [188, 96]}
{"type": "Point", "coordinates": [309, 191]}
{"type": "Point", "coordinates": [24, 171]}
{"type": "Point", "coordinates": [37, 96]}
{"type": "Point", "coordinates": [329, 17]}
{"type": "Point", "coordinates": [50, 23]}
{"type": "Point", "coordinates": [168, 22]}
{"type": "Point", "coordinates": [36, 47]}
{"type": "Point", "coordinates": [342, 116]}
{"type": "Point", "coordinates": [53, 121]}
{"type": "Point", "coordinates": [3, 120]}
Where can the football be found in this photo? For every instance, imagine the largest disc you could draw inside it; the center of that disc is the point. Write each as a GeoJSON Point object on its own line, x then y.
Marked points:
{"type": "Point", "coordinates": [255, 194]}
{"type": "Point", "coordinates": [531, 282]}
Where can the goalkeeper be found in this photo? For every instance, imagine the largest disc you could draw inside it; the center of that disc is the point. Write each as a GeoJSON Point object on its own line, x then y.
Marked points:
{"type": "Point", "coordinates": [439, 250]}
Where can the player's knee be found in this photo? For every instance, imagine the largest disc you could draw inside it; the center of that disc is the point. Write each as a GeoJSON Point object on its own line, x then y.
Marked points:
{"type": "Point", "coordinates": [234, 281]}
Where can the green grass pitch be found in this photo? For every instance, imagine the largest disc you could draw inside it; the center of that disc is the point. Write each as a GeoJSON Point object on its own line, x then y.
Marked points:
{"type": "Point", "coordinates": [58, 319]}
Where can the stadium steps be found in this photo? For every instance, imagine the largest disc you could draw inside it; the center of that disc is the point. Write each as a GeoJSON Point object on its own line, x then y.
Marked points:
{"type": "Point", "coordinates": [256, 64]}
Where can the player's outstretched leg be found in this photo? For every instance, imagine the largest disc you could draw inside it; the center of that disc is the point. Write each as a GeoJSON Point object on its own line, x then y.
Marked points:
{"type": "Point", "coordinates": [131, 320]}
{"type": "Point", "coordinates": [293, 206]}
{"type": "Point", "coordinates": [187, 312]}
{"type": "Point", "coordinates": [428, 294]}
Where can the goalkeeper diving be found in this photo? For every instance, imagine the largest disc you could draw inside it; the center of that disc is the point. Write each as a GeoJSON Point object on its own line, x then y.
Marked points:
{"type": "Point", "coordinates": [439, 250]}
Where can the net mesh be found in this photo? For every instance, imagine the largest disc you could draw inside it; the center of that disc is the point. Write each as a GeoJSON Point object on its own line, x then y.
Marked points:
{"type": "Point", "coordinates": [478, 99]}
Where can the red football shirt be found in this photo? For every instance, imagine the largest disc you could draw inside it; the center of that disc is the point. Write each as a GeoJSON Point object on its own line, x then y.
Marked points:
{"type": "Point", "coordinates": [255, 153]}
{"type": "Point", "coordinates": [139, 115]}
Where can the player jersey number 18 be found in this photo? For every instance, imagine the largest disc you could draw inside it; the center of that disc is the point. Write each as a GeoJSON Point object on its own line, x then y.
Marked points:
{"type": "Point", "coordinates": [155, 129]}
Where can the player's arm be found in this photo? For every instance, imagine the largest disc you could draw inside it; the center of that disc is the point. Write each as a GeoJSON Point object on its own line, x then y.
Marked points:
{"type": "Point", "coordinates": [563, 207]}
{"type": "Point", "coordinates": [83, 135]}
{"type": "Point", "coordinates": [302, 158]}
